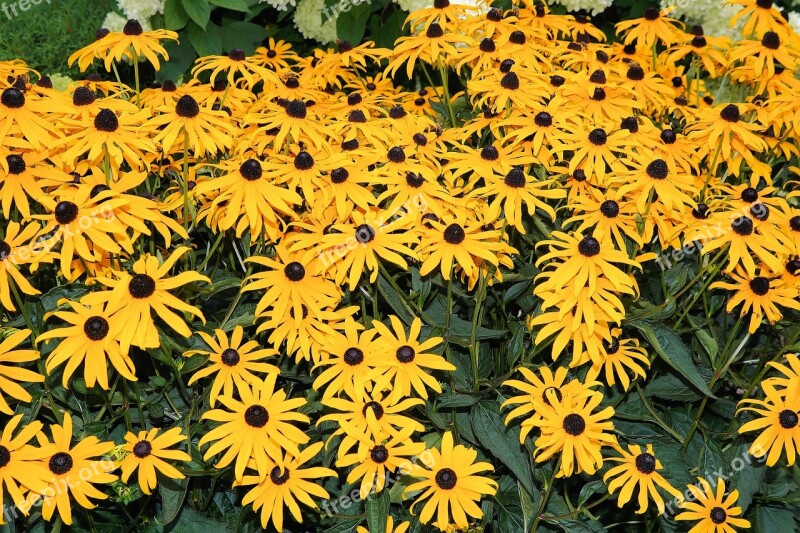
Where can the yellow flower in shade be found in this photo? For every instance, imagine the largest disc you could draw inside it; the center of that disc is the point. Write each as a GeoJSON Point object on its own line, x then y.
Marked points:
{"type": "Point", "coordinates": [761, 296]}
{"type": "Point", "coordinates": [402, 527]}
{"type": "Point", "coordinates": [28, 175]}
{"type": "Point", "coordinates": [406, 359]}
{"type": "Point", "coordinates": [432, 45]}
{"type": "Point", "coordinates": [21, 466]}
{"type": "Point", "coordinates": [654, 26]}
{"type": "Point", "coordinates": [12, 373]}
{"type": "Point", "coordinates": [92, 339]}
{"type": "Point", "coordinates": [351, 356]}
{"type": "Point", "coordinates": [619, 357]}
{"type": "Point", "coordinates": [259, 427]}
{"type": "Point", "coordinates": [777, 422]}
{"type": "Point", "coordinates": [373, 460]}
{"type": "Point", "coordinates": [147, 452]}
{"type": "Point", "coordinates": [292, 281]}
{"type": "Point", "coordinates": [190, 126]}
{"type": "Point", "coordinates": [232, 362]}
{"type": "Point", "coordinates": [451, 485]}
{"type": "Point", "coordinates": [571, 427]}
{"type": "Point", "coordinates": [132, 43]}
{"type": "Point", "coordinates": [19, 248]}
{"type": "Point", "coordinates": [276, 55]}
{"type": "Point", "coordinates": [238, 69]}
{"type": "Point", "coordinates": [638, 468]}
{"type": "Point", "coordinates": [713, 511]}
{"type": "Point", "coordinates": [745, 237]}
{"type": "Point", "coordinates": [284, 485]}
{"type": "Point", "coordinates": [74, 471]}
{"type": "Point", "coordinates": [135, 296]}
{"type": "Point", "coordinates": [293, 121]}
{"type": "Point", "coordinates": [791, 373]}
{"type": "Point", "coordinates": [760, 16]}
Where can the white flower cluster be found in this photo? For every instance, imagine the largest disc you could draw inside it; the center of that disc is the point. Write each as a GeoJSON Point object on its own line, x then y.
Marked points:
{"type": "Point", "coordinates": [592, 6]}
{"type": "Point", "coordinates": [713, 15]}
{"type": "Point", "coordinates": [308, 21]}
{"type": "Point", "coordinates": [280, 5]}
{"type": "Point", "coordinates": [413, 5]}
{"type": "Point", "coordinates": [141, 10]}
{"type": "Point", "coordinates": [114, 22]}
{"type": "Point", "coordinates": [60, 81]}
{"type": "Point", "coordinates": [794, 21]}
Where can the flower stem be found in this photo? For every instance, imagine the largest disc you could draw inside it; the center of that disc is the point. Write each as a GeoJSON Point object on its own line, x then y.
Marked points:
{"type": "Point", "coordinates": [546, 496]}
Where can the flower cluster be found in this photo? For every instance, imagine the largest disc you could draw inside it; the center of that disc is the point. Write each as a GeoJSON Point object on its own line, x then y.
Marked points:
{"type": "Point", "coordinates": [541, 146]}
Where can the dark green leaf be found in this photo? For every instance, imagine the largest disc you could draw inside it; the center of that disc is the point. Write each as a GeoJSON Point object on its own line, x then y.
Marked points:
{"type": "Point", "coordinates": [175, 16]}
{"type": "Point", "coordinates": [234, 5]}
{"type": "Point", "coordinates": [181, 57]}
{"type": "Point", "coordinates": [504, 443]}
{"type": "Point", "coordinates": [244, 35]}
{"type": "Point", "coordinates": [771, 519]}
{"type": "Point", "coordinates": [173, 492]}
{"type": "Point", "coordinates": [206, 42]}
{"type": "Point", "coordinates": [671, 387]}
{"type": "Point", "coordinates": [199, 11]}
{"type": "Point", "coordinates": [451, 399]}
{"type": "Point", "coordinates": [351, 24]}
{"type": "Point", "coordinates": [672, 350]}
{"type": "Point", "coordinates": [394, 300]}
{"type": "Point", "coordinates": [377, 509]}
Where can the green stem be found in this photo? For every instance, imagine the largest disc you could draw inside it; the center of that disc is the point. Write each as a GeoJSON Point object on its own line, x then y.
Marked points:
{"type": "Point", "coordinates": [136, 78]}
{"type": "Point", "coordinates": [545, 496]}
{"type": "Point", "coordinates": [474, 345]}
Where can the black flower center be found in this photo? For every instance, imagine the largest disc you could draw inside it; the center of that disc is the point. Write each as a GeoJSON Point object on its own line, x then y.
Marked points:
{"type": "Point", "coordinates": [237, 54]}
{"type": "Point", "coordinates": [60, 463]}
{"type": "Point", "coordinates": [294, 271]}
{"type": "Point", "coordinates": [487, 46]}
{"type": "Point", "coordinates": [169, 86]}
{"type": "Point", "coordinates": [517, 37]}
{"type": "Point", "coordinates": [250, 170]}
{"type": "Point", "coordinates": [794, 223]}
{"type": "Point", "coordinates": [5, 456]}
{"type": "Point", "coordinates": [574, 424]}
{"type": "Point", "coordinates": [296, 109]}
{"type": "Point", "coordinates": [510, 81]}
{"type": "Point", "coordinates": [303, 161]}
{"type": "Point", "coordinates": [446, 478]}
{"type": "Point", "coordinates": [609, 208]}
{"type": "Point", "coordinates": [589, 246]}
{"type": "Point", "coordinates": [357, 116]}
{"type": "Point", "coordinates": [397, 112]}
{"type": "Point", "coordinates": [792, 267]}
{"type": "Point", "coordinates": [5, 250]}
{"type": "Point", "coordinates": [16, 165]}
{"type": "Point", "coordinates": [759, 285]}
{"type": "Point", "coordinates": [96, 328]}
{"type": "Point", "coordinates": [187, 107]}
{"type": "Point", "coordinates": [543, 119]}
{"type": "Point", "coordinates": [83, 96]}
{"type": "Point", "coordinates": [702, 211]}
{"type": "Point", "coordinates": [132, 28]}
{"type": "Point", "coordinates": [256, 416]}
{"type": "Point", "coordinates": [557, 81]}
{"type": "Point", "coordinates": [635, 73]}
{"type": "Point", "coordinates": [598, 137]}
{"type": "Point", "coordinates": [365, 233]}
{"type": "Point", "coordinates": [749, 195]}
{"type": "Point", "coordinates": [515, 178]}
{"type": "Point", "coordinates": [141, 286]}
{"type": "Point", "coordinates": [743, 226]}
{"type": "Point", "coordinates": [405, 354]}
{"type": "Point", "coordinates": [106, 120]}
{"type": "Point", "coordinates": [414, 180]}
{"type": "Point", "coordinates": [771, 40]}
{"type": "Point", "coordinates": [102, 32]}
{"type": "Point", "coordinates": [699, 42]}
{"type": "Point", "coordinates": [12, 98]}
{"type": "Point", "coordinates": [611, 347]}
{"type": "Point", "coordinates": [657, 169]}
{"type": "Point", "coordinates": [645, 463]}
{"type": "Point", "coordinates": [556, 392]}
{"type": "Point", "coordinates": [651, 13]}
{"type": "Point", "coordinates": [396, 154]}
{"type": "Point", "coordinates": [434, 31]}
{"type": "Point", "coordinates": [630, 124]}
{"type": "Point", "coordinates": [142, 449]}
{"type": "Point", "coordinates": [379, 454]}
{"type": "Point", "coordinates": [599, 94]}
{"type": "Point", "coordinates": [339, 175]}
{"type": "Point", "coordinates": [66, 212]}
{"type": "Point", "coordinates": [490, 153]}
{"type": "Point", "coordinates": [420, 139]}
{"type": "Point", "coordinates": [353, 356]}
{"type": "Point", "coordinates": [764, 4]}
{"type": "Point", "coordinates": [230, 357]}
{"type": "Point", "coordinates": [760, 211]}
{"type": "Point", "coordinates": [291, 82]}
{"type": "Point", "coordinates": [344, 46]}
{"type": "Point", "coordinates": [668, 137]}
{"type": "Point", "coordinates": [579, 175]}
{"type": "Point", "coordinates": [788, 419]}
{"type": "Point", "coordinates": [730, 113]}
{"type": "Point", "coordinates": [718, 515]}
{"type": "Point", "coordinates": [495, 15]}
{"type": "Point", "coordinates": [377, 409]}
{"type": "Point", "coordinates": [278, 477]}
{"type": "Point", "coordinates": [454, 234]}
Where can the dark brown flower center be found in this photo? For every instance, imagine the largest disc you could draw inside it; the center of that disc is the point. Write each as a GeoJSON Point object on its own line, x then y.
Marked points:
{"type": "Point", "coordinates": [5, 456]}
{"type": "Point", "coordinates": [405, 354]}
{"type": "Point", "coordinates": [296, 109]}
{"type": "Point", "coordinates": [487, 46]}
{"type": "Point", "coordinates": [771, 40]}
{"type": "Point", "coordinates": [294, 271]}
{"type": "Point", "coordinates": [651, 13]}
{"type": "Point", "coordinates": [83, 96]}
{"type": "Point", "coordinates": [132, 28]}
{"type": "Point", "coordinates": [556, 392]}
{"type": "Point", "coordinates": [657, 169]}
{"type": "Point", "coordinates": [645, 463]}
{"type": "Point", "coordinates": [609, 208]}
{"type": "Point", "coordinates": [230, 357]}
{"type": "Point", "coordinates": [589, 246]}
{"type": "Point", "coordinates": [543, 119]}
{"type": "Point", "coordinates": [60, 463]}
{"type": "Point", "coordinates": [106, 120]}
{"type": "Point", "coordinates": [743, 226]}
{"type": "Point", "coordinates": [598, 137]}
{"type": "Point", "coordinates": [16, 165]}
{"type": "Point", "coordinates": [96, 328]}
{"type": "Point", "coordinates": [237, 54]}
{"type": "Point", "coordinates": [668, 137]}
{"type": "Point", "coordinates": [490, 153]}
{"type": "Point", "coordinates": [65, 212]}
{"type": "Point", "coordinates": [13, 98]}
{"type": "Point", "coordinates": [396, 154]}
{"type": "Point", "coordinates": [187, 107]}
{"type": "Point", "coordinates": [142, 449]}
{"type": "Point", "coordinates": [749, 195]}
{"type": "Point", "coordinates": [730, 113]}
{"type": "Point", "coordinates": [5, 250]}
{"type": "Point", "coordinates": [303, 161]}
{"type": "Point", "coordinates": [414, 180]}
{"type": "Point", "coordinates": [788, 419]}
{"type": "Point", "coordinates": [699, 42]}
{"type": "Point", "coordinates": [446, 478]}
{"type": "Point", "coordinates": [397, 112]}
{"type": "Point", "coordinates": [420, 139]}
{"type": "Point", "coordinates": [759, 285]}
{"type": "Point", "coordinates": [510, 81]}
{"type": "Point", "coordinates": [169, 86]}
{"type": "Point", "coordinates": [702, 211]}
{"type": "Point", "coordinates": [357, 116]}
{"type": "Point", "coordinates": [718, 515]}
{"type": "Point", "coordinates": [377, 409]}
{"type": "Point", "coordinates": [353, 356]}
{"type": "Point", "coordinates": [256, 416]}
{"type": "Point", "coordinates": [611, 347]}
{"type": "Point", "coordinates": [635, 73]}
{"type": "Point", "coordinates": [517, 37]}
{"type": "Point", "coordinates": [365, 233]}
{"type": "Point", "coordinates": [379, 454]}
{"type": "Point", "coordinates": [794, 223]}
{"type": "Point", "coordinates": [141, 286]}
{"type": "Point", "coordinates": [434, 31]}
{"type": "Point", "coordinates": [251, 170]}
{"type": "Point", "coordinates": [278, 477]}
{"type": "Point", "coordinates": [454, 234]}
{"type": "Point", "coordinates": [515, 178]}
{"type": "Point", "coordinates": [574, 424]}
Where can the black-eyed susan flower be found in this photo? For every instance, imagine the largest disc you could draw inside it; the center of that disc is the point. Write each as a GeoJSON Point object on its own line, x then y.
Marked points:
{"type": "Point", "coordinates": [12, 374]}
{"type": "Point", "coordinates": [654, 26]}
{"type": "Point", "coordinates": [275, 55]}
{"type": "Point", "coordinates": [237, 67]}
{"type": "Point", "coordinates": [402, 527]}
{"type": "Point", "coordinates": [134, 297]}
{"type": "Point", "coordinates": [284, 485]}
{"type": "Point", "coordinates": [260, 427]}
{"type": "Point", "coordinates": [231, 362]}
{"type": "Point", "coordinates": [451, 485]}
{"type": "Point", "coordinates": [638, 469]}
{"type": "Point", "coordinates": [714, 510]}
{"type": "Point", "coordinates": [192, 127]}
{"type": "Point", "coordinates": [432, 45]}
{"type": "Point", "coordinates": [92, 338]}
{"type": "Point", "coordinates": [147, 454]}
{"type": "Point", "coordinates": [777, 422]}
{"type": "Point", "coordinates": [21, 467]}
{"type": "Point", "coordinates": [132, 43]}
{"type": "Point", "coordinates": [28, 174]}
{"type": "Point", "coordinates": [74, 471]}
{"type": "Point", "coordinates": [19, 247]}
{"type": "Point", "coordinates": [349, 360]}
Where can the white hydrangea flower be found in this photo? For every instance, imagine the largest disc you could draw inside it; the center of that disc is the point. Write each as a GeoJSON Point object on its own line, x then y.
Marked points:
{"type": "Point", "coordinates": [413, 5]}
{"type": "Point", "coordinates": [712, 15]}
{"type": "Point", "coordinates": [280, 5]}
{"type": "Point", "coordinates": [794, 21]}
{"type": "Point", "coordinates": [592, 6]}
{"type": "Point", "coordinates": [114, 22]}
{"type": "Point", "coordinates": [60, 81]}
{"type": "Point", "coordinates": [308, 21]}
{"type": "Point", "coordinates": [141, 10]}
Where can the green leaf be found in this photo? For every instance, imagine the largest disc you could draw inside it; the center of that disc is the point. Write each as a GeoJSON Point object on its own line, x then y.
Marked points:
{"type": "Point", "coordinates": [234, 5]}
{"type": "Point", "coordinates": [175, 17]}
{"type": "Point", "coordinates": [71, 292]}
{"type": "Point", "coordinates": [503, 442]}
{"type": "Point", "coordinates": [241, 34]}
{"type": "Point", "coordinates": [516, 345]}
{"type": "Point", "coordinates": [181, 57]}
{"type": "Point", "coordinates": [671, 387]}
{"type": "Point", "coordinates": [771, 519]}
{"type": "Point", "coordinates": [749, 482]}
{"type": "Point", "coordinates": [394, 300]}
{"type": "Point", "coordinates": [191, 521]}
{"type": "Point", "coordinates": [386, 32]}
{"type": "Point", "coordinates": [351, 24]}
{"type": "Point", "coordinates": [453, 399]}
{"type": "Point", "coordinates": [207, 42]}
{"type": "Point", "coordinates": [377, 509]}
{"type": "Point", "coordinates": [199, 11]}
{"type": "Point", "coordinates": [672, 350]}
{"type": "Point", "coordinates": [173, 492]}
